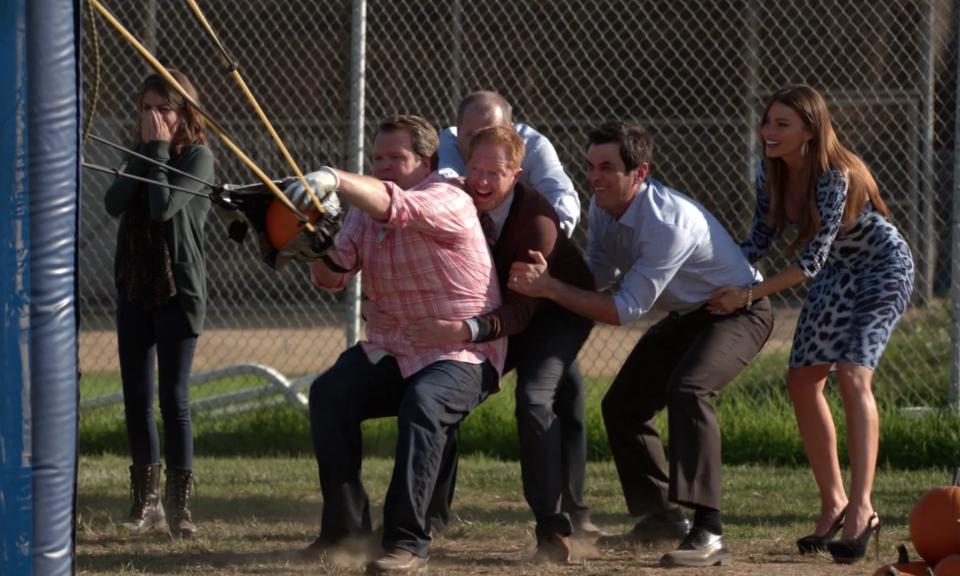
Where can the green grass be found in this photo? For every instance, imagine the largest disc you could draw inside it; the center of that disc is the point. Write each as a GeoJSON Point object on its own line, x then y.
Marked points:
{"type": "Point", "coordinates": [751, 433]}
{"type": "Point", "coordinates": [754, 412]}
{"type": "Point", "coordinates": [254, 513]}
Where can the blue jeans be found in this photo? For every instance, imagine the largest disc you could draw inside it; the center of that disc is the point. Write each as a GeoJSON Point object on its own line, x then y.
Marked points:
{"type": "Point", "coordinates": [163, 334]}
{"type": "Point", "coordinates": [427, 405]}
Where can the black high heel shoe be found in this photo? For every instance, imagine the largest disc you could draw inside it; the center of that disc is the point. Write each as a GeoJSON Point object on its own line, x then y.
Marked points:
{"type": "Point", "coordinates": [812, 543]}
{"type": "Point", "coordinates": [850, 550]}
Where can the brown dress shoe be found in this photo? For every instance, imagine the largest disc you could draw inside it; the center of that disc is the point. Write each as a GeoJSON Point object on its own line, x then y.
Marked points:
{"type": "Point", "coordinates": [699, 548]}
{"type": "Point", "coordinates": [669, 525]}
{"type": "Point", "coordinates": [587, 530]}
{"type": "Point", "coordinates": [552, 548]}
{"type": "Point", "coordinates": [398, 561]}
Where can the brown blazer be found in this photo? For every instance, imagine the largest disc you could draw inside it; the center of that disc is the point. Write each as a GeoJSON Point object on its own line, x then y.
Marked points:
{"type": "Point", "coordinates": [532, 224]}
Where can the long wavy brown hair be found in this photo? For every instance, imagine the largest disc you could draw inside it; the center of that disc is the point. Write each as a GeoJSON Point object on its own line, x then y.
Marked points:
{"type": "Point", "coordinates": [191, 128]}
{"type": "Point", "coordinates": [824, 152]}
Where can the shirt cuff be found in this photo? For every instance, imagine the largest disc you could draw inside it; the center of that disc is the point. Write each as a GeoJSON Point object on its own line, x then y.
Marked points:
{"type": "Point", "coordinates": [628, 309]}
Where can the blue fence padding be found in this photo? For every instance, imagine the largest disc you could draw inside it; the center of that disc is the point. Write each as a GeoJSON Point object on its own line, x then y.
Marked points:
{"type": "Point", "coordinates": [54, 120]}
{"type": "Point", "coordinates": [16, 512]}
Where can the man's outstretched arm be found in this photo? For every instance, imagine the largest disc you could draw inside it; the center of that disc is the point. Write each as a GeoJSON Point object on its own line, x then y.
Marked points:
{"type": "Point", "coordinates": [535, 280]}
{"type": "Point", "coordinates": [365, 193]}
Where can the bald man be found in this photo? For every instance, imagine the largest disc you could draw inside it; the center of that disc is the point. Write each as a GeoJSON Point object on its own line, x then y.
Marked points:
{"type": "Point", "coordinates": [541, 166]}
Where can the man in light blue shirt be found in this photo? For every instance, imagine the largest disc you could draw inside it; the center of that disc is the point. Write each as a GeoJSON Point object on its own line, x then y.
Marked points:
{"type": "Point", "coordinates": [542, 171]}
{"type": "Point", "coordinates": [651, 244]}
{"type": "Point", "coordinates": [541, 166]}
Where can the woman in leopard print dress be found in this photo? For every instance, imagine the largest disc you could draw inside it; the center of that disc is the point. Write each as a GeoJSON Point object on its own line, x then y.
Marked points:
{"type": "Point", "coordinates": [862, 273]}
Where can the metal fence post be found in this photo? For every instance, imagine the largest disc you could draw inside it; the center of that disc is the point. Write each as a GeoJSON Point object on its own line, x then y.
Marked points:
{"type": "Point", "coordinates": [358, 47]}
{"type": "Point", "coordinates": [150, 32]}
{"type": "Point", "coordinates": [926, 248]}
{"type": "Point", "coordinates": [751, 70]}
{"type": "Point", "coordinates": [954, 395]}
{"type": "Point", "coordinates": [456, 52]}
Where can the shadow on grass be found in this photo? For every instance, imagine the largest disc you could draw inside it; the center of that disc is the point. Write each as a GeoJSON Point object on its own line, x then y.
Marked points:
{"type": "Point", "coordinates": [761, 520]}
{"type": "Point", "coordinates": [208, 509]}
{"type": "Point", "coordinates": [175, 562]}
{"type": "Point", "coordinates": [470, 514]}
{"type": "Point", "coordinates": [475, 514]}
{"type": "Point", "coordinates": [439, 559]}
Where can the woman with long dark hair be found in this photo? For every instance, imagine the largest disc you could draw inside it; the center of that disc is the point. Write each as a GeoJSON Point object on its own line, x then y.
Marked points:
{"type": "Point", "coordinates": [160, 276]}
{"type": "Point", "coordinates": [862, 273]}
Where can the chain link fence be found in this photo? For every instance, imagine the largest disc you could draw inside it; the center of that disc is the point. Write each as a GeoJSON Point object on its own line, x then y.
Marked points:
{"type": "Point", "coordinates": [695, 73]}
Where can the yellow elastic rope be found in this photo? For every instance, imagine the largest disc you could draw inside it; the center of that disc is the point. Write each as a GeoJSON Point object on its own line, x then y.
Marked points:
{"type": "Point", "coordinates": [256, 106]}
{"type": "Point", "coordinates": [209, 121]}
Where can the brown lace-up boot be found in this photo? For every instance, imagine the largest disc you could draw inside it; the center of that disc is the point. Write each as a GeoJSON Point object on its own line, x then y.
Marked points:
{"type": "Point", "coordinates": [178, 490]}
{"type": "Point", "coordinates": [146, 513]}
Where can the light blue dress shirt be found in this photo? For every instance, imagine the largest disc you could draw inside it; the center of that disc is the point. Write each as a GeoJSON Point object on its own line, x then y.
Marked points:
{"type": "Point", "coordinates": [666, 247]}
{"type": "Point", "coordinates": [542, 171]}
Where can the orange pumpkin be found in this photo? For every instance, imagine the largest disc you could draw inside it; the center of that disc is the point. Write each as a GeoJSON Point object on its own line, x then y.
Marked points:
{"type": "Point", "coordinates": [911, 568]}
{"type": "Point", "coordinates": [283, 224]}
{"type": "Point", "coordinates": [934, 529]}
{"type": "Point", "coordinates": [949, 566]}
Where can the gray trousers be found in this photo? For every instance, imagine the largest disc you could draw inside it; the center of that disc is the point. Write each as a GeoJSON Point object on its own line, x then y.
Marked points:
{"type": "Point", "coordinates": [550, 422]}
{"type": "Point", "coordinates": [680, 364]}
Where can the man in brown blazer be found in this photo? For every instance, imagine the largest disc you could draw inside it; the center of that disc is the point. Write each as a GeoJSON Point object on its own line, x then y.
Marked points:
{"type": "Point", "coordinates": [541, 170]}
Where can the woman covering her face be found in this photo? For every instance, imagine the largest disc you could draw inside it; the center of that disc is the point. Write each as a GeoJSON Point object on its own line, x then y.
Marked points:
{"type": "Point", "coordinates": [160, 275]}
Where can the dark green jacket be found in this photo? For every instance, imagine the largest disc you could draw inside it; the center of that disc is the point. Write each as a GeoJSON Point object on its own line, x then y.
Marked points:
{"type": "Point", "coordinates": [184, 216]}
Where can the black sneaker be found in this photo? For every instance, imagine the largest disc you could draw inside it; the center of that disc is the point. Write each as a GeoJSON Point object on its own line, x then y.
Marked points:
{"type": "Point", "coordinates": [669, 525]}
{"type": "Point", "coordinates": [699, 548]}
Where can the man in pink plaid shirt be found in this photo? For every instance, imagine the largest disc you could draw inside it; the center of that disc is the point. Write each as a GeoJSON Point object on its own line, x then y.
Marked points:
{"type": "Point", "coordinates": [417, 239]}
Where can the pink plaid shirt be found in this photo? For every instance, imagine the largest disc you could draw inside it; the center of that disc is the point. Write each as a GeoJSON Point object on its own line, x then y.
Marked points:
{"type": "Point", "coordinates": [428, 260]}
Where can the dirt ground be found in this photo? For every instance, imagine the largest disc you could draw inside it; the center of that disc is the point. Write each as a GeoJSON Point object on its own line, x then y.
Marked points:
{"type": "Point", "coordinates": [301, 351]}
{"type": "Point", "coordinates": [256, 514]}
{"type": "Point", "coordinates": [505, 554]}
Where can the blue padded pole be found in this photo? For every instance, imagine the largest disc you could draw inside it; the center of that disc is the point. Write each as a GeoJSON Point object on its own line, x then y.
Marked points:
{"type": "Point", "coordinates": [54, 120]}
{"type": "Point", "coordinates": [16, 514]}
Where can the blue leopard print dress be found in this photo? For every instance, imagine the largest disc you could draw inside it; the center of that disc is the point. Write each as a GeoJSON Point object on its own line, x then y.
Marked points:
{"type": "Point", "coordinates": [863, 278]}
